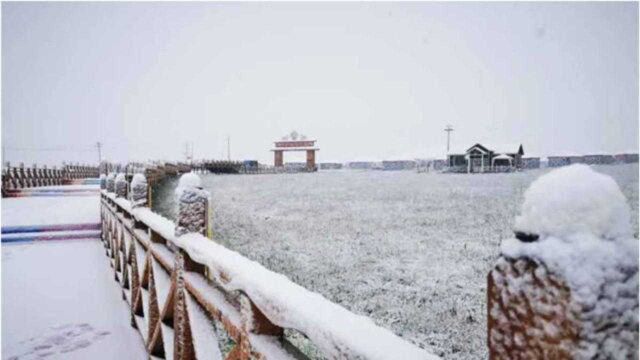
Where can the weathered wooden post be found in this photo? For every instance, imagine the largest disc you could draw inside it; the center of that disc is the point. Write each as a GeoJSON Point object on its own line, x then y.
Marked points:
{"type": "Point", "coordinates": [566, 287]}
{"type": "Point", "coordinates": [111, 182]}
{"type": "Point", "coordinates": [121, 185]}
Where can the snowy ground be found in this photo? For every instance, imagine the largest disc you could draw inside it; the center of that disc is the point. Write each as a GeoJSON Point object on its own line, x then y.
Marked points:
{"type": "Point", "coordinates": [50, 210]}
{"type": "Point", "coordinates": [59, 301]}
{"type": "Point", "coordinates": [412, 251]}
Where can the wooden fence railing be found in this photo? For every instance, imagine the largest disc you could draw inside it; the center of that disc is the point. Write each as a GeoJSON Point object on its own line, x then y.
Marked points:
{"type": "Point", "coordinates": [27, 177]}
{"type": "Point", "coordinates": [191, 298]}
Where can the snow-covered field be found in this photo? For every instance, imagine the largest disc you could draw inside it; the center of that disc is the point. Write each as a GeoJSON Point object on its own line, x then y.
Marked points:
{"type": "Point", "coordinates": [412, 251]}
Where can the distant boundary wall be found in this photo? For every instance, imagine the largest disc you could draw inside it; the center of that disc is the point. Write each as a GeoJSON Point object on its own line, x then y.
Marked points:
{"type": "Point", "coordinates": [594, 159]}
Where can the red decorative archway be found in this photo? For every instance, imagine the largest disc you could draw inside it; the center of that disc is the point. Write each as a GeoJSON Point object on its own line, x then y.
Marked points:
{"type": "Point", "coordinates": [293, 143]}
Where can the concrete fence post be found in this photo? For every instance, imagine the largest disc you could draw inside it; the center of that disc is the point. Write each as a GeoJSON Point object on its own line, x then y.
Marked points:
{"type": "Point", "coordinates": [121, 185]}
{"type": "Point", "coordinates": [193, 206]}
{"type": "Point", "coordinates": [566, 286]}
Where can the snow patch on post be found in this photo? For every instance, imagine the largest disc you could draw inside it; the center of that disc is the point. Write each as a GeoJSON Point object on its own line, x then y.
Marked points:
{"type": "Point", "coordinates": [189, 180]}
{"type": "Point", "coordinates": [111, 182]}
{"type": "Point", "coordinates": [571, 288]}
{"type": "Point", "coordinates": [193, 206]}
{"type": "Point", "coordinates": [121, 185]}
{"type": "Point", "coordinates": [575, 200]}
{"type": "Point", "coordinates": [139, 190]}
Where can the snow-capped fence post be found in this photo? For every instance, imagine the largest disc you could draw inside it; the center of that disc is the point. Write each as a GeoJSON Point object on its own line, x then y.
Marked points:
{"type": "Point", "coordinates": [193, 206]}
{"type": "Point", "coordinates": [121, 185]}
{"type": "Point", "coordinates": [567, 285]}
{"type": "Point", "coordinates": [103, 181]}
{"type": "Point", "coordinates": [139, 189]}
{"type": "Point", "coordinates": [111, 182]}
{"type": "Point", "coordinates": [193, 213]}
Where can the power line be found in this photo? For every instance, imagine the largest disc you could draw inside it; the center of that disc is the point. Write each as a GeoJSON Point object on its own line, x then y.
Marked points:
{"type": "Point", "coordinates": [188, 151]}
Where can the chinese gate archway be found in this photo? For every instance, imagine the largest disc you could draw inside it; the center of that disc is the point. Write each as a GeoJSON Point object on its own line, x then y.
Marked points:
{"type": "Point", "coordinates": [292, 143]}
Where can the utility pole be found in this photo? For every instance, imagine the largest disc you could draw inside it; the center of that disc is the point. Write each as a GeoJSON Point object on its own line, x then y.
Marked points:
{"type": "Point", "coordinates": [188, 151]}
{"type": "Point", "coordinates": [448, 129]}
{"type": "Point", "coordinates": [99, 146]}
{"type": "Point", "coordinates": [228, 148]}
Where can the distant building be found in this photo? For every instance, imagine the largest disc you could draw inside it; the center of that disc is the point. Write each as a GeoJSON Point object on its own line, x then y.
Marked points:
{"type": "Point", "coordinates": [398, 164]}
{"type": "Point", "coordinates": [564, 160]}
{"type": "Point", "coordinates": [557, 161]}
{"type": "Point", "coordinates": [295, 166]}
{"type": "Point", "coordinates": [330, 166]}
{"type": "Point", "coordinates": [439, 164]}
{"type": "Point", "coordinates": [599, 159]}
{"type": "Point", "coordinates": [360, 165]}
{"type": "Point", "coordinates": [486, 158]}
{"type": "Point", "coordinates": [594, 159]}
{"type": "Point", "coordinates": [576, 159]}
{"type": "Point", "coordinates": [626, 158]}
{"type": "Point", "coordinates": [250, 165]}
{"type": "Point", "coordinates": [531, 163]}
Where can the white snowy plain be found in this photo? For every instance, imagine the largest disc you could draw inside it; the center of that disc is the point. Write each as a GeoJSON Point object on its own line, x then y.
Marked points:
{"type": "Point", "coordinates": [411, 251]}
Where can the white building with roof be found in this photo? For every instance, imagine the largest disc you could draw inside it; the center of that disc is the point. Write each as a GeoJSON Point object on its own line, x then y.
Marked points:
{"type": "Point", "coordinates": [481, 158]}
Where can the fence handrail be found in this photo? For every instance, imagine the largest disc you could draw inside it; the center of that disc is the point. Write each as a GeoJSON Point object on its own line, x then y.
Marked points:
{"type": "Point", "coordinates": [334, 330]}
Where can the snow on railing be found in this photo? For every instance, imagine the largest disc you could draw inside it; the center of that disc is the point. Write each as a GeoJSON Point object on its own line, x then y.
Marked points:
{"type": "Point", "coordinates": [567, 285]}
{"type": "Point", "coordinates": [192, 298]}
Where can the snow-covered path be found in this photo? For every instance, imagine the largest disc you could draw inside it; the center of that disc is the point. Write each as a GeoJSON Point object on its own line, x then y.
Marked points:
{"type": "Point", "coordinates": [59, 298]}
{"type": "Point", "coordinates": [50, 210]}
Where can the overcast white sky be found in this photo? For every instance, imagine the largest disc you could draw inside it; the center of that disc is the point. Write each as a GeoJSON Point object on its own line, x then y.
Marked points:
{"type": "Point", "coordinates": [367, 80]}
